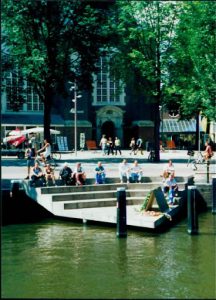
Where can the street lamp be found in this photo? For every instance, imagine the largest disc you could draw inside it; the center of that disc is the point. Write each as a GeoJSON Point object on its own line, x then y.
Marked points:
{"type": "Point", "coordinates": [76, 96]}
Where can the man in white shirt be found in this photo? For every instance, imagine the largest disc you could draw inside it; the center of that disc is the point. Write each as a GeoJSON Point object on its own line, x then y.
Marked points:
{"type": "Point", "coordinates": [124, 170]}
{"type": "Point", "coordinates": [136, 172]}
{"type": "Point", "coordinates": [103, 144]}
{"type": "Point", "coordinates": [168, 169]}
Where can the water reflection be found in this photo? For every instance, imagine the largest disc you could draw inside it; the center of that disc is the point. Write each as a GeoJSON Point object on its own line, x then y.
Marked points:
{"type": "Point", "coordinates": [56, 259]}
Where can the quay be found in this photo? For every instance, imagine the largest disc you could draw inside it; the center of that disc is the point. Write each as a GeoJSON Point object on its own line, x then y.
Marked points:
{"type": "Point", "coordinates": [97, 203]}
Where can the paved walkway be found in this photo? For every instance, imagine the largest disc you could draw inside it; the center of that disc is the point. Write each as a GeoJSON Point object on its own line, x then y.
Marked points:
{"type": "Point", "coordinates": [13, 168]}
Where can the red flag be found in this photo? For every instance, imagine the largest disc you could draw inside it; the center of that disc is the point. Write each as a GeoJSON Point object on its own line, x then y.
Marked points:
{"type": "Point", "coordinates": [17, 140]}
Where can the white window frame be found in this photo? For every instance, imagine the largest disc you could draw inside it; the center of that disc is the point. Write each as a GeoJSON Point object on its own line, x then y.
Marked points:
{"type": "Point", "coordinates": [107, 81]}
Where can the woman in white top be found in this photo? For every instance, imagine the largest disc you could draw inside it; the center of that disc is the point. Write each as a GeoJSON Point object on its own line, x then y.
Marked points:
{"type": "Point", "coordinates": [46, 154]}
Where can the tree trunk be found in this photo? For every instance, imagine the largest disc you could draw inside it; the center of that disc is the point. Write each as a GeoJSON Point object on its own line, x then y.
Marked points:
{"type": "Point", "coordinates": [47, 112]}
{"type": "Point", "coordinates": [197, 132]}
{"type": "Point", "coordinates": [157, 132]}
{"type": "Point", "coordinates": [158, 89]}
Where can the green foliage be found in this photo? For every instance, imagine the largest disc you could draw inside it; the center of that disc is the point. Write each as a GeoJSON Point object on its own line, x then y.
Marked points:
{"type": "Point", "coordinates": [43, 36]}
{"type": "Point", "coordinates": [53, 42]}
{"type": "Point", "coordinates": [145, 202]}
{"type": "Point", "coordinates": [192, 61]}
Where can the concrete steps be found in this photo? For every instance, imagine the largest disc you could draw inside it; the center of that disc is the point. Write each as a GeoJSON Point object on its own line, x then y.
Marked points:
{"type": "Point", "coordinates": [103, 187]}
{"type": "Point", "coordinates": [97, 195]}
{"type": "Point", "coordinates": [99, 202]}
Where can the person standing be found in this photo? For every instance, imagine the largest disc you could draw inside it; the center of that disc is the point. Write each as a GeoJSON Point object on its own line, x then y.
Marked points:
{"type": "Point", "coordinates": [208, 153]}
{"type": "Point", "coordinates": [32, 142]}
{"type": "Point", "coordinates": [117, 144]}
{"type": "Point", "coordinates": [133, 146]}
{"type": "Point", "coordinates": [110, 146]}
{"type": "Point", "coordinates": [100, 174]}
{"type": "Point", "coordinates": [30, 161]}
{"type": "Point", "coordinates": [139, 144]}
{"type": "Point", "coordinates": [103, 144]}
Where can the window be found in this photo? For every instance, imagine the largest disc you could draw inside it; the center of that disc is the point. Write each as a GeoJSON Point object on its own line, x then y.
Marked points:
{"type": "Point", "coordinates": [14, 88]}
{"type": "Point", "coordinates": [20, 93]}
{"type": "Point", "coordinates": [107, 90]}
{"type": "Point", "coordinates": [33, 102]}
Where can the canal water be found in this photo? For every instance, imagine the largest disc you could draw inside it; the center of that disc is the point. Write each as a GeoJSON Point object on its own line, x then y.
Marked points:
{"type": "Point", "coordinates": [65, 260]}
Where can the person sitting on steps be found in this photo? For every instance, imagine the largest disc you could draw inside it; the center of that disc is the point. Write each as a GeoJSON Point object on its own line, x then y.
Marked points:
{"type": "Point", "coordinates": [38, 176]}
{"type": "Point", "coordinates": [168, 169]}
{"type": "Point", "coordinates": [100, 174]}
{"type": "Point", "coordinates": [124, 171]}
{"type": "Point", "coordinates": [49, 174]}
{"type": "Point", "coordinates": [170, 187]}
{"type": "Point", "coordinates": [66, 174]}
{"type": "Point", "coordinates": [136, 172]}
{"type": "Point", "coordinates": [79, 174]}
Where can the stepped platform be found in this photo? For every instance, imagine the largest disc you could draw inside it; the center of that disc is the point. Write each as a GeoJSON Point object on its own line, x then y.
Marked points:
{"type": "Point", "coordinates": [98, 203]}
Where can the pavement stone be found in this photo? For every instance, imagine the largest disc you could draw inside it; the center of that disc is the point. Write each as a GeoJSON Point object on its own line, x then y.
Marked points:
{"type": "Point", "coordinates": [13, 168]}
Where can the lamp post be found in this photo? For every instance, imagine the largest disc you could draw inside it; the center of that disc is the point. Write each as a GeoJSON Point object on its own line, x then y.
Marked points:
{"type": "Point", "coordinates": [76, 96]}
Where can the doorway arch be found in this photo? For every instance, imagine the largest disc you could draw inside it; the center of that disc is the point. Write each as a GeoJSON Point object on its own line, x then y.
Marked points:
{"type": "Point", "coordinates": [108, 128]}
{"type": "Point", "coordinates": [109, 121]}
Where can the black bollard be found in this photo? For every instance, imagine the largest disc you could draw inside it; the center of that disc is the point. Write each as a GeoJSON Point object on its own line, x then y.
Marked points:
{"type": "Point", "coordinates": [214, 195]}
{"type": "Point", "coordinates": [14, 188]}
{"type": "Point", "coordinates": [192, 210]}
{"type": "Point", "coordinates": [121, 213]}
{"type": "Point", "coordinates": [207, 172]}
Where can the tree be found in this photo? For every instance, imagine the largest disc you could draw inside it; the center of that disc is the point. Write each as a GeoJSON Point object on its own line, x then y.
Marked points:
{"type": "Point", "coordinates": [53, 42]}
{"type": "Point", "coordinates": [145, 32]}
{"type": "Point", "coordinates": [192, 61]}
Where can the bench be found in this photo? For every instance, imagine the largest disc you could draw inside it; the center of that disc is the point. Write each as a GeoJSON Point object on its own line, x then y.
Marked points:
{"type": "Point", "coordinates": [171, 144]}
{"type": "Point", "coordinates": [91, 145]}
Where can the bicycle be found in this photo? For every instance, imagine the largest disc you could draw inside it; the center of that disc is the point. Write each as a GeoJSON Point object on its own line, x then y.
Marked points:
{"type": "Point", "coordinates": [49, 160]}
{"type": "Point", "coordinates": [199, 159]}
{"type": "Point", "coordinates": [56, 155]}
{"type": "Point", "coordinates": [151, 156]}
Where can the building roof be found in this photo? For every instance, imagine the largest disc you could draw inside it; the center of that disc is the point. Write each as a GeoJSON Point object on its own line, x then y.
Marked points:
{"type": "Point", "coordinates": [177, 126]}
{"type": "Point", "coordinates": [15, 119]}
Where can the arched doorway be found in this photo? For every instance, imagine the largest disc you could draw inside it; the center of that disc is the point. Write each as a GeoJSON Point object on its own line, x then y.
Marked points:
{"type": "Point", "coordinates": [109, 120]}
{"type": "Point", "coordinates": [108, 128]}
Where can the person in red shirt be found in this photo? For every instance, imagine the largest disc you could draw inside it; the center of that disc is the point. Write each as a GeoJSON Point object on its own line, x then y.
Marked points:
{"type": "Point", "coordinates": [208, 153]}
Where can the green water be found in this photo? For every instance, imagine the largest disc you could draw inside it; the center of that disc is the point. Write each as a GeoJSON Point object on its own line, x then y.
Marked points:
{"type": "Point", "coordinates": [58, 259]}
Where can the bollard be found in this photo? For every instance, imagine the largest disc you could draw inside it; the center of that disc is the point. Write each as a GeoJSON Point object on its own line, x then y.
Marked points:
{"type": "Point", "coordinates": [192, 211]}
{"type": "Point", "coordinates": [214, 195]}
{"type": "Point", "coordinates": [121, 213]}
{"type": "Point", "coordinates": [14, 188]}
{"type": "Point", "coordinates": [207, 172]}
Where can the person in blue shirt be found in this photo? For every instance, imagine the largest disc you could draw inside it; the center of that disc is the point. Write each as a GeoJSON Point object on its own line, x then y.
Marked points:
{"type": "Point", "coordinates": [38, 175]}
{"type": "Point", "coordinates": [171, 187]}
{"type": "Point", "coordinates": [100, 174]}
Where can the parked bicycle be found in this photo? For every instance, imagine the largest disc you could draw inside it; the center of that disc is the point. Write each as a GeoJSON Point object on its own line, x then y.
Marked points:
{"type": "Point", "coordinates": [195, 159]}
{"type": "Point", "coordinates": [151, 156]}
